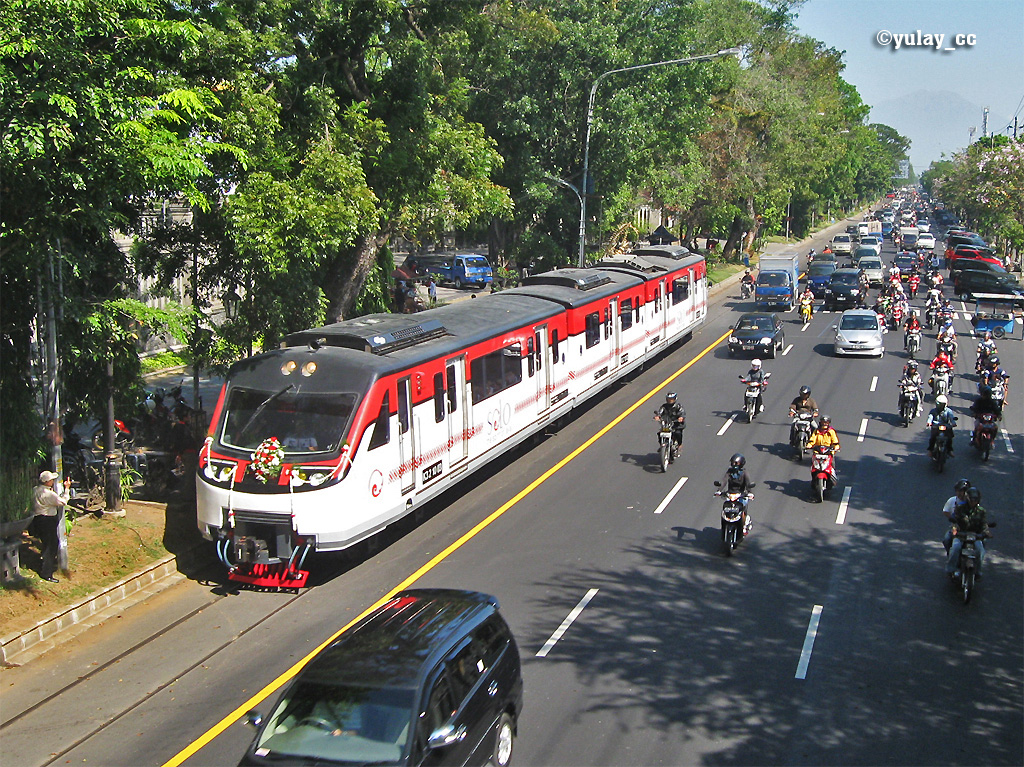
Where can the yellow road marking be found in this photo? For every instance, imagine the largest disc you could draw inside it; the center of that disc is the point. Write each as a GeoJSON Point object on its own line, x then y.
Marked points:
{"type": "Point", "coordinates": [277, 683]}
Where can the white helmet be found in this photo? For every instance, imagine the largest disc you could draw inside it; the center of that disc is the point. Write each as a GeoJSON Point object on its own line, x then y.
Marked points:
{"type": "Point", "coordinates": [756, 364]}
{"type": "Point", "coordinates": [942, 399]}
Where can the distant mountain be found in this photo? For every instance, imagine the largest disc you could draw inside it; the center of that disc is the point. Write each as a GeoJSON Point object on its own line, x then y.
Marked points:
{"type": "Point", "coordinates": [936, 122]}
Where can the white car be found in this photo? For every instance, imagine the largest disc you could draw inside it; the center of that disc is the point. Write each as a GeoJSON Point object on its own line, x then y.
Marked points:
{"type": "Point", "coordinates": [926, 241]}
{"type": "Point", "coordinates": [872, 241]}
{"type": "Point", "coordinates": [923, 226]}
{"type": "Point", "coordinates": [841, 243]}
{"type": "Point", "coordinates": [859, 332]}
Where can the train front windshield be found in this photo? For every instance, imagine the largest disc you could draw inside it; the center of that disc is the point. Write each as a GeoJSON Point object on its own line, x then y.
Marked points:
{"type": "Point", "coordinates": [303, 423]}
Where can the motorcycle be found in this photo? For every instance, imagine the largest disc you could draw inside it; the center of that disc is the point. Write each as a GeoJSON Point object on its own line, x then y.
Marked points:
{"type": "Point", "coordinates": [998, 386]}
{"type": "Point", "coordinates": [823, 472]}
{"type": "Point", "coordinates": [985, 435]}
{"type": "Point", "coordinates": [910, 403]}
{"type": "Point", "coordinates": [940, 381]}
{"type": "Point", "coordinates": [733, 528]}
{"type": "Point", "coordinates": [750, 396]}
{"type": "Point", "coordinates": [913, 283]}
{"type": "Point", "coordinates": [746, 289]}
{"type": "Point", "coordinates": [800, 432]}
{"type": "Point", "coordinates": [668, 450]}
{"type": "Point", "coordinates": [913, 342]}
{"type": "Point", "coordinates": [943, 444]}
{"type": "Point", "coordinates": [982, 362]}
{"type": "Point", "coordinates": [896, 318]}
{"type": "Point", "coordinates": [806, 311]}
{"type": "Point", "coordinates": [967, 563]}
{"type": "Point", "coordinates": [930, 315]}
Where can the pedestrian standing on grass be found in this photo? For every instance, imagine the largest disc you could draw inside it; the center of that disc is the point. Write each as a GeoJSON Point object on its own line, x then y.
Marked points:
{"type": "Point", "coordinates": [48, 507]}
{"type": "Point", "coordinates": [432, 291]}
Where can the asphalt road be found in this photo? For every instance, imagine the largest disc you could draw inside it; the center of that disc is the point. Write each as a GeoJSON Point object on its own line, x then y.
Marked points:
{"type": "Point", "coordinates": [681, 655]}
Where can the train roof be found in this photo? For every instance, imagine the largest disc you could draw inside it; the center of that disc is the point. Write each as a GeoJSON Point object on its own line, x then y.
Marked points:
{"type": "Point", "coordinates": [650, 263]}
{"type": "Point", "coordinates": [572, 288]}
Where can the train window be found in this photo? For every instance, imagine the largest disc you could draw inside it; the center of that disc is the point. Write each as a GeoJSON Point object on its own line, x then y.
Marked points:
{"type": "Point", "coordinates": [680, 290]}
{"type": "Point", "coordinates": [382, 426]}
{"type": "Point", "coordinates": [304, 423]}
{"type": "Point", "coordinates": [626, 313]}
{"type": "Point", "coordinates": [495, 372]}
{"type": "Point", "coordinates": [554, 346]}
{"type": "Point", "coordinates": [593, 330]}
{"type": "Point", "coordinates": [453, 397]}
{"type": "Point", "coordinates": [638, 310]}
{"type": "Point", "coordinates": [438, 397]}
{"type": "Point", "coordinates": [403, 406]}
{"type": "Point", "coordinates": [657, 299]}
{"type": "Point", "coordinates": [539, 353]}
{"type": "Point", "coordinates": [530, 370]}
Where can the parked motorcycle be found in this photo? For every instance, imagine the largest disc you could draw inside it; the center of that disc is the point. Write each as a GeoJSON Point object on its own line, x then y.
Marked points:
{"type": "Point", "coordinates": [733, 528]}
{"type": "Point", "coordinates": [800, 432]}
{"type": "Point", "coordinates": [985, 436]}
{"type": "Point", "coordinates": [910, 403]}
{"type": "Point", "coordinates": [823, 472]}
{"type": "Point", "coordinates": [750, 396]}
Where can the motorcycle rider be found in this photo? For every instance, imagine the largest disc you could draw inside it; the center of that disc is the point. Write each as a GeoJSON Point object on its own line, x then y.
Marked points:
{"type": "Point", "coordinates": [912, 324]}
{"type": "Point", "coordinates": [736, 480]}
{"type": "Point", "coordinates": [941, 361]}
{"type": "Point", "coordinates": [802, 403]}
{"type": "Point", "coordinates": [807, 299]}
{"type": "Point", "coordinates": [672, 412]}
{"type": "Point", "coordinates": [914, 282]}
{"type": "Point", "coordinates": [825, 436]}
{"type": "Point", "coordinates": [747, 286]}
{"type": "Point", "coordinates": [940, 415]}
{"type": "Point", "coordinates": [756, 375]}
{"type": "Point", "coordinates": [968, 517]}
{"type": "Point", "coordinates": [995, 377]}
{"type": "Point", "coordinates": [986, 348]}
{"type": "Point", "coordinates": [911, 379]}
{"type": "Point", "coordinates": [959, 496]}
{"type": "Point", "coordinates": [982, 405]}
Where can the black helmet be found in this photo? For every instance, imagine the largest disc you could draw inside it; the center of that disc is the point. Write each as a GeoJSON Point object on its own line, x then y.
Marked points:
{"type": "Point", "coordinates": [973, 495]}
{"type": "Point", "coordinates": [961, 485]}
{"type": "Point", "coordinates": [986, 391]}
{"type": "Point", "coordinates": [805, 391]}
{"type": "Point", "coordinates": [824, 423]}
{"type": "Point", "coordinates": [737, 461]}
{"type": "Point", "coordinates": [670, 397]}
{"type": "Point", "coordinates": [993, 360]}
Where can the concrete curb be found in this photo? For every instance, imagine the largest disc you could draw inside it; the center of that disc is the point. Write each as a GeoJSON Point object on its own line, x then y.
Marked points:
{"type": "Point", "coordinates": [157, 575]}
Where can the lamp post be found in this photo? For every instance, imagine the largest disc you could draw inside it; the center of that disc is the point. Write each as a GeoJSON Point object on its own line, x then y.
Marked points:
{"type": "Point", "coordinates": [590, 121]}
{"type": "Point", "coordinates": [579, 196]}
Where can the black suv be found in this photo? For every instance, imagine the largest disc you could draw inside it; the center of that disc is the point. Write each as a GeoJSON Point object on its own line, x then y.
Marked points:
{"type": "Point", "coordinates": [430, 678]}
{"type": "Point", "coordinates": [972, 281]}
{"type": "Point", "coordinates": [844, 290]}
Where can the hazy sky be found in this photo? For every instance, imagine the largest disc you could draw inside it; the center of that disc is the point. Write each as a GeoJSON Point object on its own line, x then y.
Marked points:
{"type": "Point", "coordinates": [894, 81]}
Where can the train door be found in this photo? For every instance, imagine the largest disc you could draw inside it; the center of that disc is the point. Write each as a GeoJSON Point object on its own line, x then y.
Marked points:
{"type": "Point", "coordinates": [700, 295]}
{"type": "Point", "coordinates": [406, 436]}
{"type": "Point", "coordinates": [540, 361]}
{"type": "Point", "coordinates": [615, 335]}
{"type": "Point", "coordinates": [458, 412]}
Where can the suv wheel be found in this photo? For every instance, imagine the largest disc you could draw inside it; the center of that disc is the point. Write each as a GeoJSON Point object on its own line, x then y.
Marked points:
{"type": "Point", "coordinates": [504, 739]}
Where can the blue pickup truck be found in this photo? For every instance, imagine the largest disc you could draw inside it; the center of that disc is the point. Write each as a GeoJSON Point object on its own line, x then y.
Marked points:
{"type": "Point", "coordinates": [460, 270]}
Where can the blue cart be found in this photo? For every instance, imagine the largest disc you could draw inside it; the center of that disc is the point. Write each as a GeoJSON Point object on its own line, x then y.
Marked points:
{"type": "Point", "coordinates": [995, 312]}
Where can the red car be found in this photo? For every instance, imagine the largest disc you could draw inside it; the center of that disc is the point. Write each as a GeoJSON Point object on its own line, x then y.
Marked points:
{"type": "Point", "coordinates": [957, 237]}
{"type": "Point", "coordinates": [971, 252]}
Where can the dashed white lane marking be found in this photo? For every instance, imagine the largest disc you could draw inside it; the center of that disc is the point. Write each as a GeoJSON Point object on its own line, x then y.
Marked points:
{"type": "Point", "coordinates": [812, 632]}
{"type": "Point", "coordinates": [1006, 440]}
{"type": "Point", "coordinates": [874, 383]}
{"type": "Point", "coordinates": [727, 425]}
{"type": "Point", "coordinates": [671, 495]}
{"type": "Point", "coordinates": [788, 349]}
{"type": "Point", "coordinates": [863, 429]}
{"type": "Point", "coordinates": [543, 651]}
{"type": "Point", "coordinates": [843, 506]}
{"type": "Point", "coordinates": [806, 324]}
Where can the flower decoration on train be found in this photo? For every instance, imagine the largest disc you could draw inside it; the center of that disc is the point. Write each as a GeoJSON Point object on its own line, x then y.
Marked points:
{"type": "Point", "coordinates": [267, 459]}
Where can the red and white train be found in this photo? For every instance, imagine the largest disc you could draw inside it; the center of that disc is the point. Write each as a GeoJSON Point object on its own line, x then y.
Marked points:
{"type": "Point", "coordinates": [345, 429]}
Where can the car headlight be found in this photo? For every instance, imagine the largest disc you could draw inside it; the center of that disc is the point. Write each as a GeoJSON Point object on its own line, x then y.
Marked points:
{"type": "Point", "coordinates": [855, 292]}
{"type": "Point", "coordinates": [766, 340]}
{"type": "Point", "coordinates": [733, 340]}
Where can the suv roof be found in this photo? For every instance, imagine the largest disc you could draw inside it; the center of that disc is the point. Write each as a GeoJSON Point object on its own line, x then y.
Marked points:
{"type": "Point", "coordinates": [416, 628]}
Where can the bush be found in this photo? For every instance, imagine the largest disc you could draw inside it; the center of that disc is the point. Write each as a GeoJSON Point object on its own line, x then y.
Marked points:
{"type": "Point", "coordinates": [18, 481]}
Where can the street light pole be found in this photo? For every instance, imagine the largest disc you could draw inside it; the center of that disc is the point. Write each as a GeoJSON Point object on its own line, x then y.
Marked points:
{"type": "Point", "coordinates": [579, 196]}
{"type": "Point", "coordinates": [590, 121]}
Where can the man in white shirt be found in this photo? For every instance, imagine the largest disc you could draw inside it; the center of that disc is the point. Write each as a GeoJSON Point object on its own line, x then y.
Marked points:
{"type": "Point", "coordinates": [959, 496]}
{"type": "Point", "coordinates": [46, 505]}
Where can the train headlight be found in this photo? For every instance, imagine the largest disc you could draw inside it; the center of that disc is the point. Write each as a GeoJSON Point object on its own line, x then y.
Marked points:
{"type": "Point", "coordinates": [310, 475]}
{"type": "Point", "coordinates": [289, 367]}
{"type": "Point", "coordinates": [309, 368]}
{"type": "Point", "coordinates": [219, 471]}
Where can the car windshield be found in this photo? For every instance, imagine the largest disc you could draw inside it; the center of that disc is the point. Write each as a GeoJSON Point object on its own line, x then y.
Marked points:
{"type": "Point", "coordinates": [754, 323]}
{"type": "Point", "coordinates": [772, 279]}
{"type": "Point", "coordinates": [844, 279]}
{"type": "Point", "coordinates": [869, 263]}
{"type": "Point", "coordinates": [904, 261]}
{"type": "Point", "coordinates": [302, 423]}
{"type": "Point", "coordinates": [817, 270]}
{"type": "Point", "coordinates": [339, 723]}
{"type": "Point", "coordinates": [858, 322]}
{"type": "Point", "coordinates": [476, 261]}
{"type": "Point", "coordinates": [841, 238]}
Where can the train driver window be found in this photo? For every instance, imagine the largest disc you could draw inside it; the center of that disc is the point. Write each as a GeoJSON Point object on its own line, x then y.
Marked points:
{"type": "Point", "coordinates": [593, 330]}
{"type": "Point", "coordinates": [680, 290]}
{"type": "Point", "coordinates": [382, 425]}
{"type": "Point", "coordinates": [530, 362]}
{"type": "Point", "coordinates": [554, 346]}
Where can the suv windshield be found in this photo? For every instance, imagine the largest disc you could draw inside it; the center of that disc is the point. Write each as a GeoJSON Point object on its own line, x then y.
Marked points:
{"type": "Point", "coordinates": [844, 279]}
